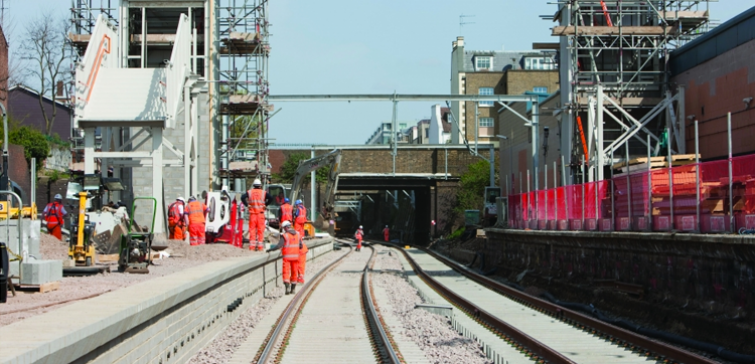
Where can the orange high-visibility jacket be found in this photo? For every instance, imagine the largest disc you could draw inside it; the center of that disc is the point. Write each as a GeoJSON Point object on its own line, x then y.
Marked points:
{"type": "Point", "coordinates": [291, 243]}
{"type": "Point", "coordinates": [301, 214]}
{"type": "Point", "coordinates": [174, 213]}
{"type": "Point", "coordinates": [196, 210]}
{"type": "Point", "coordinates": [287, 212]}
{"type": "Point", "coordinates": [256, 201]}
{"type": "Point", "coordinates": [54, 214]}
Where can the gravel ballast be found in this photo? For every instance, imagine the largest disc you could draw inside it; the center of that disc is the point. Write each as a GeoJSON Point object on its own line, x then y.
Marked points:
{"type": "Point", "coordinates": [432, 333]}
{"type": "Point", "coordinates": [221, 349]}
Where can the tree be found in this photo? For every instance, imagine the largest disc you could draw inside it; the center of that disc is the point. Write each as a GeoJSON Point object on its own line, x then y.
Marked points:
{"type": "Point", "coordinates": [34, 142]}
{"type": "Point", "coordinates": [46, 49]}
{"type": "Point", "coordinates": [288, 169]}
{"type": "Point", "coordinates": [472, 187]}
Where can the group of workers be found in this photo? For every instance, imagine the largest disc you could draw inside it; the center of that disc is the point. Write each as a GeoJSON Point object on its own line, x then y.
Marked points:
{"type": "Point", "coordinates": [189, 216]}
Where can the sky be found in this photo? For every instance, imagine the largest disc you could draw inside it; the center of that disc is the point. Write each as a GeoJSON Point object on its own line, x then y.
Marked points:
{"type": "Point", "coordinates": [370, 47]}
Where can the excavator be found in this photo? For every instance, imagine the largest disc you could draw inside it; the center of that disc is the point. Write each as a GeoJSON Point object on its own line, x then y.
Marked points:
{"type": "Point", "coordinates": [325, 216]}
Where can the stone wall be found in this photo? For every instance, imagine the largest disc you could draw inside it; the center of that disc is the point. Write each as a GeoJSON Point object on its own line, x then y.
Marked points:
{"type": "Point", "coordinates": [714, 271]}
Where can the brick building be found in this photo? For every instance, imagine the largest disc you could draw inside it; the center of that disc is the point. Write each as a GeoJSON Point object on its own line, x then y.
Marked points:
{"type": "Point", "coordinates": [717, 71]}
{"type": "Point", "coordinates": [495, 73]}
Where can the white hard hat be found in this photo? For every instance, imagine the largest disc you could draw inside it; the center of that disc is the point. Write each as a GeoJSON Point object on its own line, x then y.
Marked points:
{"type": "Point", "coordinates": [360, 226]}
{"type": "Point", "coordinates": [257, 182]}
{"type": "Point", "coordinates": [386, 225]}
{"type": "Point", "coordinates": [58, 196]}
{"type": "Point", "coordinates": [286, 224]}
{"type": "Point", "coordinates": [180, 199]}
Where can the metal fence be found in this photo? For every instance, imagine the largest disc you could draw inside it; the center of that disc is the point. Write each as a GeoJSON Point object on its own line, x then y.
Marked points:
{"type": "Point", "coordinates": [695, 197]}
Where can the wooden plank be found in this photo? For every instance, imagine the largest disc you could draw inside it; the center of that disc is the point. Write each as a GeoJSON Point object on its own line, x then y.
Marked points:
{"type": "Point", "coordinates": [612, 31]}
{"type": "Point", "coordinates": [107, 258]}
{"type": "Point", "coordinates": [638, 161]}
{"type": "Point", "coordinates": [683, 157]}
{"type": "Point", "coordinates": [40, 288]}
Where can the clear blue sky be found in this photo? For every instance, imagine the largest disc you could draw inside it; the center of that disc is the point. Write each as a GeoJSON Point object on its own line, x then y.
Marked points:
{"type": "Point", "coordinates": [370, 46]}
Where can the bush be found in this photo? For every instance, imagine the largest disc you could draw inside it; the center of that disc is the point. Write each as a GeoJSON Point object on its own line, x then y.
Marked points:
{"type": "Point", "coordinates": [472, 185]}
{"type": "Point", "coordinates": [456, 234]}
{"type": "Point", "coordinates": [34, 142]}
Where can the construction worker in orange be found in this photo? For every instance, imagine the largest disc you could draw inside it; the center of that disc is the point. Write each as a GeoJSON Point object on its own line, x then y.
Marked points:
{"type": "Point", "coordinates": [195, 214]}
{"type": "Point", "coordinates": [53, 215]}
{"type": "Point", "coordinates": [290, 244]}
{"type": "Point", "coordinates": [286, 211]}
{"type": "Point", "coordinates": [257, 199]}
{"type": "Point", "coordinates": [386, 233]}
{"type": "Point", "coordinates": [300, 217]}
{"type": "Point", "coordinates": [359, 235]}
{"type": "Point", "coordinates": [176, 222]}
{"type": "Point", "coordinates": [302, 260]}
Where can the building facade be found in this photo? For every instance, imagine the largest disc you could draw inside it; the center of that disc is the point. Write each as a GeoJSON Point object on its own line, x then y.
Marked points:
{"type": "Point", "coordinates": [23, 107]}
{"type": "Point", "coordinates": [717, 73]}
{"type": "Point", "coordinates": [494, 73]}
{"type": "Point", "coordinates": [383, 133]}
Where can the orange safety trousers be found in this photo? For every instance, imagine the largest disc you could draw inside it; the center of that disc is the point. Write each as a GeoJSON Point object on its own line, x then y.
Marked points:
{"type": "Point", "coordinates": [302, 262]}
{"type": "Point", "coordinates": [196, 234]}
{"type": "Point", "coordinates": [55, 231]}
{"type": "Point", "coordinates": [256, 231]}
{"type": "Point", "coordinates": [290, 267]}
{"type": "Point", "coordinates": [176, 232]}
{"type": "Point", "coordinates": [299, 227]}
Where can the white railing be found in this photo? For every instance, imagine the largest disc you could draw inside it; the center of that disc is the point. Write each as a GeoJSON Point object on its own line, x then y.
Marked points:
{"type": "Point", "coordinates": [178, 70]}
{"type": "Point", "coordinates": [102, 51]}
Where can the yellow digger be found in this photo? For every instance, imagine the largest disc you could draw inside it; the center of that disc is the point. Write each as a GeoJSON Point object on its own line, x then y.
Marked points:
{"type": "Point", "coordinates": [80, 248]}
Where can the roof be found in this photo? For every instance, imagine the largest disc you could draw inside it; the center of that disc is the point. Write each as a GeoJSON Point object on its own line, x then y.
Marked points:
{"type": "Point", "coordinates": [725, 37]}
{"type": "Point", "coordinates": [27, 89]}
{"type": "Point", "coordinates": [446, 127]}
{"type": "Point", "coordinates": [502, 60]}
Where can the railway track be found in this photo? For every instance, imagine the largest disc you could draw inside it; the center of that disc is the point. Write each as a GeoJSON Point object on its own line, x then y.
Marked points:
{"type": "Point", "coordinates": [332, 319]}
{"type": "Point", "coordinates": [542, 331]}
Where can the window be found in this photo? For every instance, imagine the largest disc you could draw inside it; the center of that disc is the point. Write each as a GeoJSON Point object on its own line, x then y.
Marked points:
{"type": "Point", "coordinates": [483, 63]}
{"type": "Point", "coordinates": [540, 89]}
{"type": "Point", "coordinates": [486, 91]}
{"type": "Point", "coordinates": [486, 122]}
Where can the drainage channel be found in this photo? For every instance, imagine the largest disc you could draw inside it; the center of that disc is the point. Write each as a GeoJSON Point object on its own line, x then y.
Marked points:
{"type": "Point", "coordinates": [333, 319]}
{"type": "Point", "coordinates": [548, 328]}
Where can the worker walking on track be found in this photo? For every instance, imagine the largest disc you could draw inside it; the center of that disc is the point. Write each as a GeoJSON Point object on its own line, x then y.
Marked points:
{"type": "Point", "coordinates": [302, 260]}
{"type": "Point", "coordinates": [286, 211]}
{"type": "Point", "coordinates": [195, 216]}
{"type": "Point", "coordinates": [300, 217]}
{"type": "Point", "coordinates": [386, 233]}
{"type": "Point", "coordinates": [290, 244]}
{"type": "Point", "coordinates": [359, 235]}
{"type": "Point", "coordinates": [176, 221]}
{"type": "Point", "coordinates": [257, 199]}
{"type": "Point", "coordinates": [53, 215]}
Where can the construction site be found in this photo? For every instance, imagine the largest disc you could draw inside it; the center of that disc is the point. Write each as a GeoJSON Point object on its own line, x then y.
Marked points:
{"type": "Point", "coordinates": [589, 200]}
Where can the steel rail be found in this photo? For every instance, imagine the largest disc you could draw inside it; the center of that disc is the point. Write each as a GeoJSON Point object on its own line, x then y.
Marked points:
{"type": "Point", "coordinates": [655, 346]}
{"type": "Point", "coordinates": [391, 352]}
{"type": "Point", "coordinates": [267, 351]}
{"type": "Point", "coordinates": [540, 350]}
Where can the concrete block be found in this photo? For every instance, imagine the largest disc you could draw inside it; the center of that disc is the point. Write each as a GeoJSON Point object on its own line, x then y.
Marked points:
{"type": "Point", "coordinates": [41, 271]}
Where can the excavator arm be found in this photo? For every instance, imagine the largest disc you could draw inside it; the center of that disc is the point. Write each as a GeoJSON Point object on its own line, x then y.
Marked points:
{"type": "Point", "coordinates": [332, 159]}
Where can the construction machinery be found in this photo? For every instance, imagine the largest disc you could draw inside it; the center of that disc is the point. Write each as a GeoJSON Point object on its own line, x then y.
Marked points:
{"type": "Point", "coordinates": [80, 247]}
{"type": "Point", "coordinates": [217, 228]}
{"type": "Point", "coordinates": [326, 213]}
{"type": "Point", "coordinates": [136, 245]}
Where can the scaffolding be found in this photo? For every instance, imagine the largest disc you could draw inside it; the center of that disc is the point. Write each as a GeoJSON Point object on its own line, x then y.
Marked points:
{"type": "Point", "coordinates": [615, 76]}
{"type": "Point", "coordinates": [242, 73]}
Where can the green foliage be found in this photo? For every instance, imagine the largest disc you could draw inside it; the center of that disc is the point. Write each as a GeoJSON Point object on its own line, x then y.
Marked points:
{"type": "Point", "coordinates": [55, 139]}
{"type": "Point", "coordinates": [456, 234]}
{"type": "Point", "coordinates": [56, 175]}
{"type": "Point", "coordinates": [472, 187]}
{"type": "Point", "coordinates": [288, 169]}
{"type": "Point", "coordinates": [34, 142]}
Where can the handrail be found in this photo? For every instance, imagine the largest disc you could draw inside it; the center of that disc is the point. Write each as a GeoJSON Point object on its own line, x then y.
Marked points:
{"type": "Point", "coordinates": [100, 54]}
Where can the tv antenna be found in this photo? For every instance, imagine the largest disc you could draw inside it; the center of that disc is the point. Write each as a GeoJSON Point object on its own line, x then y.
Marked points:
{"type": "Point", "coordinates": [463, 22]}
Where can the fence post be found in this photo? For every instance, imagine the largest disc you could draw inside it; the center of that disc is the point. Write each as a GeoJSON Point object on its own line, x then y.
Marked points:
{"type": "Point", "coordinates": [629, 187]}
{"type": "Point", "coordinates": [555, 192]}
{"type": "Point", "coordinates": [731, 182]}
{"type": "Point", "coordinates": [650, 189]}
{"type": "Point", "coordinates": [583, 193]}
{"type": "Point", "coordinates": [529, 200]}
{"type": "Point", "coordinates": [613, 206]}
{"type": "Point", "coordinates": [697, 177]}
{"type": "Point", "coordinates": [595, 187]}
{"type": "Point", "coordinates": [545, 181]}
{"type": "Point", "coordinates": [563, 178]}
{"type": "Point", "coordinates": [670, 178]}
